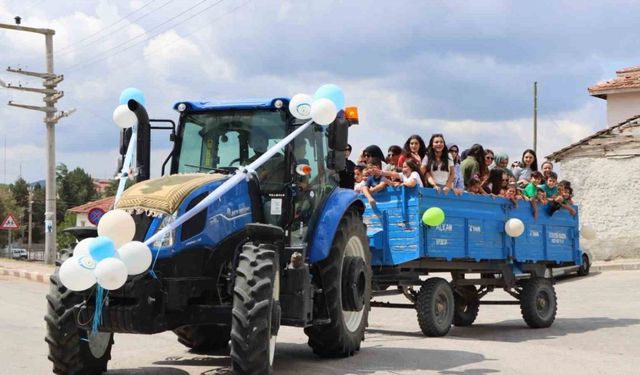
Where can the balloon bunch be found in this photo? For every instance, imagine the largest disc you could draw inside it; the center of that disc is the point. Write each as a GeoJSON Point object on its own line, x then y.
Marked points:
{"type": "Point", "coordinates": [107, 259]}
{"type": "Point", "coordinates": [122, 115]}
{"type": "Point", "coordinates": [322, 108]}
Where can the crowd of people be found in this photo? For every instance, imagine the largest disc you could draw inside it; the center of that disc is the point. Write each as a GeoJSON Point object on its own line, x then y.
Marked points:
{"type": "Point", "coordinates": [475, 170]}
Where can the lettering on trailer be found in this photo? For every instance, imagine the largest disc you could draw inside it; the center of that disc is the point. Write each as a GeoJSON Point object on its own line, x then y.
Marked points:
{"type": "Point", "coordinates": [534, 233]}
{"type": "Point", "coordinates": [475, 228]}
{"type": "Point", "coordinates": [557, 237]}
{"type": "Point", "coordinates": [445, 228]}
{"type": "Point", "coordinates": [441, 242]}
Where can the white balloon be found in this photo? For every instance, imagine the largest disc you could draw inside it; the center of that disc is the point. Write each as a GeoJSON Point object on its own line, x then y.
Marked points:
{"type": "Point", "coordinates": [514, 227]}
{"type": "Point", "coordinates": [136, 256]}
{"type": "Point", "coordinates": [323, 111]}
{"type": "Point", "coordinates": [300, 106]}
{"type": "Point", "coordinates": [588, 232]}
{"type": "Point", "coordinates": [118, 225]}
{"type": "Point", "coordinates": [124, 117]}
{"type": "Point", "coordinates": [82, 248]}
{"type": "Point", "coordinates": [76, 273]}
{"type": "Point", "coordinates": [111, 273]}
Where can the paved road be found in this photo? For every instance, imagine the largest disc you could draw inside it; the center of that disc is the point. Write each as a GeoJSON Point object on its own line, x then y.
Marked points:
{"type": "Point", "coordinates": [597, 331]}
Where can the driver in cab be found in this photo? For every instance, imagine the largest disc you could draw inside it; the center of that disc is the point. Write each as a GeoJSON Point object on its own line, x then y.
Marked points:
{"type": "Point", "coordinates": [273, 170]}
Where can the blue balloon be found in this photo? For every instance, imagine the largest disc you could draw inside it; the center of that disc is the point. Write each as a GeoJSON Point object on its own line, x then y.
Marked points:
{"type": "Point", "coordinates": [101, 248]}
{"type": "Point", "coordinates": [331, 92]}
{"type": "Point", "coordinates": [131, 93]}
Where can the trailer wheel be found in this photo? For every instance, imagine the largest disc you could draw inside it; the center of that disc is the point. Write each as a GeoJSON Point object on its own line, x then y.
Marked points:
{"type": "Point", "coordinates": [584, 268]}
{"type": "Point", "coordinates": [466, 304]}
{"type": "Point", "coordinates": [538, 302]}
{"type": "Point", "coordinates": [345, 276]}
{"type": "Point", "coordinates": [256, 310]}
{"type": "Point", "coordinates": [70, 349]}
{"type": "Point", "coordinates": [204, 337]}
{"type": "Point", "coordinates": [435, 306]}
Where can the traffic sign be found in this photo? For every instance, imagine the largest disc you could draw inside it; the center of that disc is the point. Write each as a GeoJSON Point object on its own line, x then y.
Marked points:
{"type": "Point", "coordinates": [9, 222]}
{"type": "Point", "coordinates": [95, 214]}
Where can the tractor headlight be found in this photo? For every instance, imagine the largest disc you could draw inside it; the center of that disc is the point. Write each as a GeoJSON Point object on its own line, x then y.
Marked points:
{"type": "Point", "coordinates": [169, 238]}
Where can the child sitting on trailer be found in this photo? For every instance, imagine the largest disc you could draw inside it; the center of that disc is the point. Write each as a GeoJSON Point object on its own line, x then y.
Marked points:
{"type": "Point", "coordinates": [551, 185]}
{"type": "Point", "coordinates": [474, 186]}
{"type": "Point", "coordinates": [375, 182]}
{"type": "Point", "coordinates": [359, 176]}
{"type": "Point", "coordinates": [563, 200]}
{"type": "Point", "coordinates": [512, 194]}
{"type": "Point", "coordinates": [531, 191]}
{"type": "Point", "coordinates": [410, 176]}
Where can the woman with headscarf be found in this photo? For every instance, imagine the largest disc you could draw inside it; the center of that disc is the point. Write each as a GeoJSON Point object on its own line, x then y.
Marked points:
{"type": "Point", "coordinates": [502, 162]}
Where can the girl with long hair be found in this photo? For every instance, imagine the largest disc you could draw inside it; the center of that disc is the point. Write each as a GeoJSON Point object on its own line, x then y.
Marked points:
{"type": "Point", "coordinates": [414, 148]}
{"type": "Point", "coordinates": [437, 165]}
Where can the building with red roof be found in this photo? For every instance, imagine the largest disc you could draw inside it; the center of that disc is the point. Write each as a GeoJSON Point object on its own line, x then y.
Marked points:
{"type": "Point", "coordinates": [621, 93]}
{"type": "Point", "coordinates": [82, 211]}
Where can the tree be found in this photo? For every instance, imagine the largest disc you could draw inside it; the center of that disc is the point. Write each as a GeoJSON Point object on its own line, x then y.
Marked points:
{"type": "Point", "coordinates": [75, 187]}
{"type": "Point", "coordinates": [112, 189]}
{"type": "Point", "coordinates": [20, 191]}
{"type": "Point", "coordinates": [7, 205]}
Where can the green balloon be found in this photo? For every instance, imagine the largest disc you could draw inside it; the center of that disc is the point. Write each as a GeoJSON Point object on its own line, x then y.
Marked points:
{"type": "Point", "coordinates": [433, 217]}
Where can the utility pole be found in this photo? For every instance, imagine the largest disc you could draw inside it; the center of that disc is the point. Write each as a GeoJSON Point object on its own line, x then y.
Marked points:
{"type": "Point", "coordinates": [52, 116]}
{"type": "Point", "coordinates": [535, 117]}
{"type": "Point", "coordinates": [30, 224]}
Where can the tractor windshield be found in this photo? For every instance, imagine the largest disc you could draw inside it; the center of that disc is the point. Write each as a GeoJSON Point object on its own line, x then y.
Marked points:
{"type": "Point", "coordinates": [232, 138]}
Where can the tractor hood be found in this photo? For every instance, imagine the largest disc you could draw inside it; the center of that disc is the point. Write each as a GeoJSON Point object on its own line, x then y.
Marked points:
{"type": "Point", "coordinates": [162, 196]}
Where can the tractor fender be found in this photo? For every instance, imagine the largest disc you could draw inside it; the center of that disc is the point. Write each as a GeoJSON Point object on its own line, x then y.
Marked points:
{"type": "Point", "coordinates": [334, 208]}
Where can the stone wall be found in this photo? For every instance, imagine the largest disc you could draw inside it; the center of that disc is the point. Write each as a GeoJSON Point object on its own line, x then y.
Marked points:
{"type": "Point", "coordinates": [607, 192]}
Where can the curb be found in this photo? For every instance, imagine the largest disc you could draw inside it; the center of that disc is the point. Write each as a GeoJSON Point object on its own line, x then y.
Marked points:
{"type": "Point", "coordinates": [616, 267]}
{"type": "Point", "coordinates": [39, 277]}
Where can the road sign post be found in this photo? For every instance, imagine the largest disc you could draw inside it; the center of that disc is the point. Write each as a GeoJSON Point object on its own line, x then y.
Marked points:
{"type": "Point", "coordinates": [9, 223]}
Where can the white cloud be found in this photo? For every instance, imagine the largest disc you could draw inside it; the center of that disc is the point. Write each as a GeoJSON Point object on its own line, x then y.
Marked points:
{"type": "Point", "coordinates": [462, 69]}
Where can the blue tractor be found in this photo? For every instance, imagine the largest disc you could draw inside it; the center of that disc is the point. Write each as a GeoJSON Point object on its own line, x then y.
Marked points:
{"type": "Point", "coordinates": [286, 246]}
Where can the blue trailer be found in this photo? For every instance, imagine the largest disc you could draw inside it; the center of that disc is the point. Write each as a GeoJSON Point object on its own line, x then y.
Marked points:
{"type": "Point", "coordinates": [471, 241]}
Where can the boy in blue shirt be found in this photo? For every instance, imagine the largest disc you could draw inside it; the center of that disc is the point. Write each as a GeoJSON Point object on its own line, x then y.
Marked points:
{"type": "Point", "coordinates": [551, 185]}
{"type": "Point", "coordinates": [375, 181]}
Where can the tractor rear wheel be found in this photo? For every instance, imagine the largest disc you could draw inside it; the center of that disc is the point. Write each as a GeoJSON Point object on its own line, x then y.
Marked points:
{"type": "Point", "coordinates": [204, 337]}
{"type": "Point", "coordinates": [256, 310]}
{"type": "Point", "coordinates": [71, 349]}
{"type": "Point", "coordinates": [345, 276]}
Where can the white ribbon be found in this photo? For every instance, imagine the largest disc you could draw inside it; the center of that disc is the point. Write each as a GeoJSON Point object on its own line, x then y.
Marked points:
{"type": "Point", "coordinates": [228, 184]}
{"type": "Point", "coordinates": [126, 165]}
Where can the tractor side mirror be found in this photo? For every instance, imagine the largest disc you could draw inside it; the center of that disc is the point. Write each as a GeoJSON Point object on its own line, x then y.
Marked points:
{"type": "Point", "coordinates": [338, 139]}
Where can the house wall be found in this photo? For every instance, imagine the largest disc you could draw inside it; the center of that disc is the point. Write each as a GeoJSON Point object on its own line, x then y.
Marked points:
{"type": "Point", "coordinates": [82, 220]}
{"type": "Point", "coordinates": [607, 191]}
{"type": "Point", "coordinates": [622, 106]}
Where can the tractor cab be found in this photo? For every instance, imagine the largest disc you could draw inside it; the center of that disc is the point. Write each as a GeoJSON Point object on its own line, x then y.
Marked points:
{"type": "Point", "coordinates": [220, 137]}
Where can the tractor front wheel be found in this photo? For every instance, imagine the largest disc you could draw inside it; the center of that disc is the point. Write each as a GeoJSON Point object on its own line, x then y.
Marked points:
{"type": "Point", "coordinates": [71, 349]}
{"type": "Point", "coordinates": [256, 310]}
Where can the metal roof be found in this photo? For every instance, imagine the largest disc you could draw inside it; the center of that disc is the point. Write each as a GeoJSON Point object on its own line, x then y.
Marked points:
{"type": "Point", "coordinates": [557, 155]}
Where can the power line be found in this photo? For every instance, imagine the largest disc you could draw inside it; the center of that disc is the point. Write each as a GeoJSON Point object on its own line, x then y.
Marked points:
{"type": "Point", "coordinates": [105, 54]}
{"type": "Point", "coordinates": [69, 48]}
{"type": "Point", "coordinates": [210, 24]}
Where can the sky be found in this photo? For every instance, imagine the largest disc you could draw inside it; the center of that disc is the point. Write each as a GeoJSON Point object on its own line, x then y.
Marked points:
{"type": "Point", "coordinates": [462, 68]}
